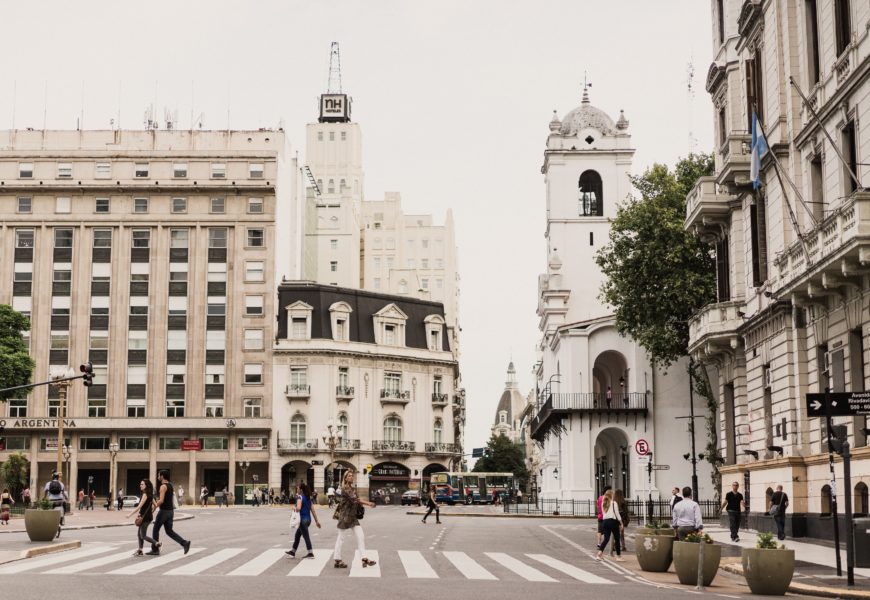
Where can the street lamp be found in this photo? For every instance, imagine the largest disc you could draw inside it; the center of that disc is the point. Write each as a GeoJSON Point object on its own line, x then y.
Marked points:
{"type": "Point", "coordinates": [610, 475]}
{"type": "Point", "coordinates": [332, 438]}
{"type": "Point", "coordinates": [67, 454]}
{"type": "Point", "coordinates": [62, 387]}
{"type": "Point", "coordinates": [244, 467]}
{"type": "Point", "coordinates": [113, 476]}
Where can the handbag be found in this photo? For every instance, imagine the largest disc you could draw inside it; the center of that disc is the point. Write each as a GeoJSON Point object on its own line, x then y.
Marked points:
{"type": "Point", "coordinates": [139, 521]}
{"type": "Point", "coordinates": [360, 511]}
{"type": "Point", "coordinates": [294, 520]}
{"type": "Point", "coordinates": [774, 510]}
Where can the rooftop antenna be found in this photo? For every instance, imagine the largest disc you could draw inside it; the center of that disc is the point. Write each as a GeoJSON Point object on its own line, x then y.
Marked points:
{"type": "Point", "coordinates": [334, 84]}
{"type": "Point", "coordinates": [690, 98]}
{"type": "Point", "coordinates": [149, 120]}
{"type": "Point", "coordinates": [586, 86]}
{"type": "Point", "coordinates": [170, 117]}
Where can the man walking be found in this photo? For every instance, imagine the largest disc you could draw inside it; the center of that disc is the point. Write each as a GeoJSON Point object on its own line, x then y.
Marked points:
{"type": "Point", "coordinates": [686, 517]}
{"type": "Point", "coordinates": [735, 505]}
{"type": "Point", "coordinates": [778, 506]}
{"type": "Point", "coordinates": [431, 504]}
{"type": "Point", "coordinates": [56, 494]}
{"type": "Point", "coordinates": [120, 500]}
{"type": "Point", "coordinates": [166, 514]}
{"type": "Point", "coordinates": [675, 497]}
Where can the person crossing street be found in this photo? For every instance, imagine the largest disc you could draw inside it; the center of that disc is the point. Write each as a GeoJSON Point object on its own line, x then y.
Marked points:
{"type": "Point", "coordinates": [165, 501]}
{"type": "Point", "coordinates": [431, 504]}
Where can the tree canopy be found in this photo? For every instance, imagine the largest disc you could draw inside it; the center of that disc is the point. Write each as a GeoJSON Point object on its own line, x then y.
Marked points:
{"type": "Point", "coordinates": [657, 273]}
{"type": "Point", "coordinates": [16, 366]}
{"type": "Point", "coordinates": [503, 455]}
{"type": "Point", "coordinates": [15, 473]}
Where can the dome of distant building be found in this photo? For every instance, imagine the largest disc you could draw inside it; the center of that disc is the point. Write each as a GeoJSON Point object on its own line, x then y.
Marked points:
{"type": "Point", "coordinates": [585, 116]}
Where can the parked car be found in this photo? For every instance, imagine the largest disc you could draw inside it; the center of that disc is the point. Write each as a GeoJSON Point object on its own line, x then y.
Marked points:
{"type": "Point", "coordinates": [411, 497]}
{"type": "Point", "coordinates": [130, 501]}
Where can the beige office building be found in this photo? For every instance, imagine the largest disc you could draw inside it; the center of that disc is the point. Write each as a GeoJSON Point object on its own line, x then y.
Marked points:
{"type": "Point", "coordinates": [152, 254]}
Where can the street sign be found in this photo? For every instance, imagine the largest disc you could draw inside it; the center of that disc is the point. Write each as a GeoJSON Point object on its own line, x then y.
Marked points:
{"type": "Point", "coordinates": [641, 447]}
{"type": "Point", "coordinates": [477, 453]}
{"type": "Point", "coordinates": [840, 404]}
{"type": "Point", "coordinates": [661, 467]}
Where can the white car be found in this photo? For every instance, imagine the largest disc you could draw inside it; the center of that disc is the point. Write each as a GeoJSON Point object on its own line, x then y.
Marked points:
{"type": "Point", "coordinates": [130, 501]}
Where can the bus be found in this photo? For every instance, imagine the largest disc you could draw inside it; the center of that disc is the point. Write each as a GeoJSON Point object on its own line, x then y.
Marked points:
{"type": "Point", "coordinates": [455, 487]}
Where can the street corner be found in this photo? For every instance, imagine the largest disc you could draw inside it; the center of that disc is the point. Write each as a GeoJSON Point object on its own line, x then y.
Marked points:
{"type": "Point", "coordinates": [21, 550]}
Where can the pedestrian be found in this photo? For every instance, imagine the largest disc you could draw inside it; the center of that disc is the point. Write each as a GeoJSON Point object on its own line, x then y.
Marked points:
{"type": "Point", "coordinates": [735, 505]}
{"type": "Point", "coordinates": [519, 496]}
{"type": "Point", "coordinates": [6, 502]}
{"type": "Point", "coordinates": [306, 511]}
{"type": "Point", "coordinates": [622, 507]}
{"type": "Point", "coordinates": [778, 506]}
{"type": "Point", "coordinates": [675, 497]}
{"type": "Point", "coordinates": [330, 496]}
{"type": "Point", "coordinates": [686, 517]}
{"type": "Point", "coordinates": [431, 504]}
{"type": "Point", "coordinates": [56, 494]}
{"type": "Point", "coordinates": [609, 396]}
{"type": "Point", "coordinates": [600, 535]}
{"type": "Point", "coordinates": [25, 497]}
{"type": "Point", "coordinates": [350, 507]}
{"type": "Point", "coordinates": [180, 496]}
{"type": "Point", "coordinates": [256, 497]}
{"type": "Point", "coordinates": [120, 499]}
{"type": "Point", "coordinates": [81, 500]}
{"type": "Point", "coordinates": [203, 496]}
{"type": "Point", "coordinates": [92, 499]}
{"type": "Point", "coordinates": [612, 526]}
{"type": "Point", "coordinates": [166, 514]}
{"type": "Point", "coordinates": [227, 497]}
{"type": "Point", "coordinates": [145, 512]}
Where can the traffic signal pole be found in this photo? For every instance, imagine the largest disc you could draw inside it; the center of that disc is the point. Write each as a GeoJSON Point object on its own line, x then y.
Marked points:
{"type": "Point", "coordinates": [829, 426]}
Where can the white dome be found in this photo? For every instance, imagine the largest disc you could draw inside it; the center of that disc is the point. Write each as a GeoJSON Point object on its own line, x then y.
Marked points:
{"type": "Point", "coordinates": [585, 116]}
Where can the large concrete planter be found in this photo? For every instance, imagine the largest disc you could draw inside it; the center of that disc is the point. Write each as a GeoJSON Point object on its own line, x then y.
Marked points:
{"type": "Point", "coordinates": [654, 552]}
{"type": "Point", "coordinates": [768, 572]}
{"type": "Point", "coordinates": [41, 525]}
{"type": "Point", "coordinates": [686, 562]}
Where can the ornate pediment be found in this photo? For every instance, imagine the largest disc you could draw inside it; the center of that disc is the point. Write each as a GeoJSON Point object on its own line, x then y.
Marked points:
{"type": "Point", "coordinates": [391, 311]}
{"type": "Point", "coordinates": [750, 16]}
{"type": "Point", "coordinates": [300, 306]}
{"type": "Point", "coordinates": [715, 76]}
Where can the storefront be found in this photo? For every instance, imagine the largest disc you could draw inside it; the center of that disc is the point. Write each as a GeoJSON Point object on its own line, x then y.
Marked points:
{"type": "Point", "coordinates": [387, 482]}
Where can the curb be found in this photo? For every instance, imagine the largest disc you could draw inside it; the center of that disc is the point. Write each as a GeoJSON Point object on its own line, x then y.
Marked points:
{"type": "Point", "coordinates": [59, 547]}
{"type": "Point", "coordinates": [498, 515]}
{"type": "Point", "coordinates": [180, 517]}
{"type": "Point", "coordinates": [809, 590]}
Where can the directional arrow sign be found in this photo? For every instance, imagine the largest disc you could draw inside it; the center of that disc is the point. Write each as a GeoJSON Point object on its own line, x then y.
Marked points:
{"type": "Point", "coordinates": [840, 404]}
{"type": "Point", "coordinates": [661, 467]}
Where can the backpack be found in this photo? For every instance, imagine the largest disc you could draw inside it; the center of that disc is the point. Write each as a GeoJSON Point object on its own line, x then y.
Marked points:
{"type": "Point", "coordinates": [54, 487]}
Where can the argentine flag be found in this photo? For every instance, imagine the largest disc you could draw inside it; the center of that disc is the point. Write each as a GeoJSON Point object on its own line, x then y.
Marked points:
{"type": "Point", "coordinates": [759, 147]}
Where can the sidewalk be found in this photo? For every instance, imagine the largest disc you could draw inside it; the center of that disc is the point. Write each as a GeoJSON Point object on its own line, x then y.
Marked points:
{"type": "Point", "coordinates": [88, 519]}
{"type": "Point", "coordinates": [19, 549]}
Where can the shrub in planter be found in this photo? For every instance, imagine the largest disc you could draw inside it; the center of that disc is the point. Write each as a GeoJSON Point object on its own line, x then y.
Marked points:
{"type": "Point", "coordinates": [653, 546]}
{"type": "Point", "coordinates": [686, 558]}
{"type": "Point", "coordinates": [768, 568]}
{"type": "Point", "coordinates": [42, 523]}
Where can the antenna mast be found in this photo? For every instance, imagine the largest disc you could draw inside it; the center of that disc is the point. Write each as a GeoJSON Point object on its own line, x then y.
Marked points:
{"type": "Point", "coordinates": [334, 84]}
{"type": "Point", "coordinates": [690, 99]}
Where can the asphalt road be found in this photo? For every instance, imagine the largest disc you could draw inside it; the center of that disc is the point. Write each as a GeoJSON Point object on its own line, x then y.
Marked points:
{"type": "Point", "coordinates": [240, 553]}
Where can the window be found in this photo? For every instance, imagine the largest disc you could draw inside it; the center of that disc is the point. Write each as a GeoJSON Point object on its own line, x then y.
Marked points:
{"type": "Point", "coordinates": [253, 339]}
{"type": "Point", "coordinates": [136, 375]}
{"type": "Point", "coordinates": [217, 306]}
{"type": "Point", "coordinates": [64, 170]}
{"type": "Point", "coordinates": [591, 194]}
{"type": "Point", "coordinates": [343, 136]}
{"type": "Point", "coordinates": [62, 273]}
{"type": "Point", "coordinates": [393, 429]}
{"type": "Point", "coordinates": [342, 185]}
{"type": "Point", "coordinates": [139, 305]}
{"type": "Point", "coordinates": [101, 205]}
{"type": "Point", "coordinates": [424, 263]}
{"type": "Point", "coordinates": [754, 97]}
{"type": "Point", "coordinates": [299, 328]}
{"type": "Point", "coordinates": [253, 407]}
{"type": "Point", "coordinates": [217, 237]}
{"type": "Point", "coordinates": [25, 170]}
{"type": "Point", "coordinates": [253, 373]}
{"type": "Point", "coordinates": [392, 383]}
{"type": "Point", "coordinates": [297, 429]}
{"type": "Point", "coordinates": [99, 340]}
{"type": "Point", "coordinates": [256, 238]}
{"type": "Point", "coordinates": [179, 170]}
{"type": "Point", "coordinates": [343, 377]}
{"type": "Point", "coordinates": [140, 205]}
{"type": "Point", "coordinates": [424, 283]}
{"type": "Point", "coordinates": [333, 265]}
{"type": "Point", "coordinates": [849, 145]}
{"type": "Point", "coordinates": [176, 339]}
{"type": "Point", "coordinates": [179, 205]}
{"type": "Point", "coordinates": [254, 270]}
{"type": "Point", "coordinates": [424, 242]}
{"type": "Point", "coordinates": [96, 407]}
{"type": "Point", "coordinates": [723, 269]}
{"type": "Point", "coordinates": [437, 382]}
{"type": "Point", "coordinates": [218, 171]}
{"type": "Point", "coordinates": [137, 340]}
{"type": "Point", "coordinates": [53, 409]}
{"type": "Point", "coordinates": [214, 374]}
{"type": "Point", "coordinates": [101, 271]}
{"type": "Point", "coordinates": [60, 306]}
{"type": "Point", "coordinates": [25, 205]}
{"type": "Point", "coordinates": [136, 408]}
{"type": "Point", "coordinates": [169, 443]}
{"type": "Point", "coordinates": [175, 374]}
{"type": "Point", "coordinates": [17, 442]}
{"type": "Point", "coordinates": [255, 206]}
{"type": "Point", "coordinates": [438, 431]}
{"type": "Point", "coordinates": [134, 443]}
{"type": "Point", "coordinates": [319, 136]}
{"type": "Point", "coordinates": [439, 263]}
{"type": "Point", "coordinates": [17, 408]}
{"type": "Point", "coordinates": [140, 170]}
{"type": "Point", "coordinates": [758, 232]}
{"type": "Point", "coordinates": [101, 374]}
{"type": "Point", "coordinates": [255, 170]}
{"type": "Point", "coordinates": [254, 305]}
{"type": "Point", "coordinates": [60, 340]}
{"type": "Point", "coordinates": [214, 443]}
{"type": "Point", "coordinates": [99, 306]}
{"type": "Point", "coordinates": [723, 126]}
{"type": "Point", "coordinates": [390, 335]}
{"type": "Point", "coordinates": [23, 272]}
{"type": "Point", "coordinates": [178, 238]}
{"type": "Point", "coordinates": [63, 238]}
{"type": "Point", "coordinates": [174, 408]}
{"type": "Point", "coordinates": [218, 205]}
{"type": "Point", "coordinates": [331, 136]}
{"type": "Point", "coordinates": [331, 188]}
{"type": "Point", "coordinates": [217, 272]}
{"type": "Point", "coordinates": [215, 339]}
{"type": "Point", "coordinates": [93, 443]}
{"type": "Point", "coordinates": [298, 378]}
{"type": "Point", "coordinates": [817, 188]}
{"type": "Point", "coordinates": [103, 170]}
{"type": "Point", "coordinates": [439, 283]}
{"type": "Point", "coordinates": [811, 17]}
{"type": "Point", "coordinates": [333, 244]}
{"type": "Point", "coordinates": [252, 443]}
{"type": "Point", "coordinates": [341, 330]}
{"type": "Point", "coordinates": [843, 24]}
{"type": "Point", "coordinates": [377, 283]}
{"type": "Point", "coordinates": [102, 238]}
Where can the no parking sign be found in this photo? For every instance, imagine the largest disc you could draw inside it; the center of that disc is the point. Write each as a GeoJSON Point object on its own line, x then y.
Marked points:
{"type": "Point", "coordinates": [641, 447]}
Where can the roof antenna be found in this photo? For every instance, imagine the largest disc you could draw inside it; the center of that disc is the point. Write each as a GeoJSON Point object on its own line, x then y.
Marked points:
{"type": "Point", "coordinates": [586, 86]}
{"type": "Point", "coordinates": [334, 84]}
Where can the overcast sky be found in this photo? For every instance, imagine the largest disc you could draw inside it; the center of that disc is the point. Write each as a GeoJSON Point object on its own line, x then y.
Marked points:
{"type": "Point", "coordinates": [453, 98]}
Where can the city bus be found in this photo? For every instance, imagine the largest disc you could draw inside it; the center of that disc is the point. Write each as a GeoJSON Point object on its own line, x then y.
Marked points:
{"type": "Point", "coordinates": [454, 487]}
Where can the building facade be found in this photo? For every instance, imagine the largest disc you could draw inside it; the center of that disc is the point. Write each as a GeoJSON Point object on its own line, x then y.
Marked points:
{"type": "Point", "coordinates": [379, 369]}
{"type": "Point", "coordinates": [152, 254]}
{"type": "Point", "coordinates": [598, 396]}
{"type": "Point", "coordinates": [790, 316]}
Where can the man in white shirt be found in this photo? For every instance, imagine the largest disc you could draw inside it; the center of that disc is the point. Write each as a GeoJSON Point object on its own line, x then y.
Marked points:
{"type": "Point", "coordinates": [686, 517]}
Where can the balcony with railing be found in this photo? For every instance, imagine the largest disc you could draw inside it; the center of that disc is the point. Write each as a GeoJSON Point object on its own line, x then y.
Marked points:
{"type": "Point", "coordinates": [559, 405]}
{"type": "Point", "coordinates": [706, 209]}
{"type": "Point", "coordinates": [440, 399]}
{"type": "Point", "coordinates": [296, 446]}
{"type": "Point", "coordinates": [344, 392]}
{"type": "Point", "coordinates": [441, 448]}
{"type": "Point", "coordinates": [392, 447]}
{"type": "Point", "coordinates": [389, 396]}
{"type": "Point", "coordinates": [298, 390]}
{"type": "Point", "coordinates": [734, 156]}
{"type": "Point", "coordinates": [715, 325]}
{"type": "Point", "coordinates": [345, 445]}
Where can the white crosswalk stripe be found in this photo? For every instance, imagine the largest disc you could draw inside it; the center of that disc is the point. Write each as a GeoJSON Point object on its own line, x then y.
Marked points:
{"type": "Point", "coordinates": [259, 564]}
{"type": "Point", "coordinates": [311, 567]}
{"type": "Point", "coordinates": [470, 568]}
{"type": "Point", "coordinates": [198, 566]}
{"type": "Point", "coordinates": [568, 569]}
{"type": "Point", "coordinates": [33, 564]}
{"type": "Point", "coordinates": [518, 567]}
{"type": "Point", "coordinates": [358, 570]}
{"type": "Point", "coordinates": [416, 566]}
{"type": "Point", "coordinates": [152, 563]}
{"type": "Point", "coordinates": [78, 567]}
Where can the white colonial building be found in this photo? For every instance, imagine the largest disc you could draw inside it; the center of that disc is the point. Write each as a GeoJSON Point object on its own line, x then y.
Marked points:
{"type": "Point", "coordinates": [597, 392]}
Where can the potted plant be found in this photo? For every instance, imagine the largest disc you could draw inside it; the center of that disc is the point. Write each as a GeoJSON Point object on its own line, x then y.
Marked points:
{"type": "Point", "coordinates": [768, 568]}
{"type": "Point", "coordinates": [653, 546]}
{"type": "Point", "coordinates": [686, 555]}
{"type": "Point", "coordinates": [43, 522]}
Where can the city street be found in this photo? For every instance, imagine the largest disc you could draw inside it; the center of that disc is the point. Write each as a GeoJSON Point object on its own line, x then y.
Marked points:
{"type": "Point", "coordinates": [241, 550]}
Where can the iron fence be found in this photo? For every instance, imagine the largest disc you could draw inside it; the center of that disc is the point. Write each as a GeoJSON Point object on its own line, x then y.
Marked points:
{"type": "Point", "coordinates": [659, 510]}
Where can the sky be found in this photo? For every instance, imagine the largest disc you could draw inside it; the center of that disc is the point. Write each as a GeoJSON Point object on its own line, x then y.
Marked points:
{"type": "Point", "coordinates": [453, 98]}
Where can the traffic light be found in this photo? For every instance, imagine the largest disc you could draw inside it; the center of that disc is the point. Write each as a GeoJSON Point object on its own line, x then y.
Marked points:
{"type": "Point", "coordinates": [88, 370]}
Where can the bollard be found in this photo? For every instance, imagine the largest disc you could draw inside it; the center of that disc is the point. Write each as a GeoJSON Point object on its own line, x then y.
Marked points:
{"type": "Point", "coordinates": [700, 586]}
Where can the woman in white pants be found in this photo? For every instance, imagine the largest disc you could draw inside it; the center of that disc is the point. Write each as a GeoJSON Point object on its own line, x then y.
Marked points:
{"type": "Point", "coordinates": [348, 502]}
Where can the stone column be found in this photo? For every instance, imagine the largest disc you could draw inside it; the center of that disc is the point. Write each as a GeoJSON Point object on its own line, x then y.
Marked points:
{"type": "Point", "coordinates": [191, 474]}
{"type": "Point", "coordinates": [231, 466]}
{"type": "Point", "coordinates": [152, 457]}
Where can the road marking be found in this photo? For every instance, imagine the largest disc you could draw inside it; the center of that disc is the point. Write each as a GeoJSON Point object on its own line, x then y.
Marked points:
{"type": "Point", "coordinates": [468, 566]}
{"type": "Point", "coordinates": [568, 569]}
{"type": "Point", "coordinates": [416, 566]}
{"type": "Point", "coordinates": [311, 567]}
{"type": "Point", "coordinates": [53, 559]}
{"type": "Point", "coordinates": [612, 566]}
{"type": "Point", "coordinates": [357, 570]}
{"type": "Point", "coordinates": [259, 564]}
{"type": "Point", "coordinates": [520, 568]}
{"type": "Point", "coordinates": [90, 564]}
{"type": "Point", "coordinates": [147, 565]}
{"type": "Point", "coordinates": [198, 566]}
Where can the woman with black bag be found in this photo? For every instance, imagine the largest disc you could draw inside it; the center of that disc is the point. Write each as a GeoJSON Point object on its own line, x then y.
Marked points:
{"type": "Point", "coordinates": [145, 511]}
{"type": "Point", "coordinates": [350, 510]}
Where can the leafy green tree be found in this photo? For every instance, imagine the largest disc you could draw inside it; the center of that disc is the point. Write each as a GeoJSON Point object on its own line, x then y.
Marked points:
{"type": "Point", "coordinates": [16, 366]}
{"type": "Point", "coordinates": [503, 455]}
{"type": "Point", "coordinates": [15, 473]}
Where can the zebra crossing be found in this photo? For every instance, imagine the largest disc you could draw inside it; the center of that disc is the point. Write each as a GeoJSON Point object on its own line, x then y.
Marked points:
{"type": "Point", "coordinates": [117, 559]}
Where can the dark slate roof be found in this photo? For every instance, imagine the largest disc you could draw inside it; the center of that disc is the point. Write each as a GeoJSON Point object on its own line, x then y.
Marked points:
{"type": "Point", "coordinates": [364, 305]}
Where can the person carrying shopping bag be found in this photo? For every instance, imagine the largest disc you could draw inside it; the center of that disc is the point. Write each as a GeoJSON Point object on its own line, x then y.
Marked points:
{"type": "Point", "coordinates": [306, 512]}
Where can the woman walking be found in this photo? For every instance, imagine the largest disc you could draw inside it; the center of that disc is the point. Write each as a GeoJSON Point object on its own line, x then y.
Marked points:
{"type": "Point", "coordinates": [622, 507]}
{"type": "Point", "coordinates": [145, 512]}
{"type": "Point", "coordinates": [612, 525]}
{"type": "Point", "coordinates": [347, 515]}
{"type": "Point", "coordinates": [306, 512]}
{"type": "Point", "coordinates": [6, 503]}
{"type": "Point", "coordinates": [431, 504]}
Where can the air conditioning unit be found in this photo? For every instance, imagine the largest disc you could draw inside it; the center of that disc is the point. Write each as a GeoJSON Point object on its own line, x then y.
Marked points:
{"type": "Point", "coordinates": [309, 445]}
{"type": "Point", "coordinates": [768, 378]}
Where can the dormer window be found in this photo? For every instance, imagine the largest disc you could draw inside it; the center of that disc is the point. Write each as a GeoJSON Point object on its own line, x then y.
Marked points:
{"type": "Point", "coordinates": [434, 332]}
{"type": "Point", "coordinates": [299, 321]}
{"type": "Point", "coordinates": [389, 325]}
{"type": "Point", "coordinates": [340, 318]}
{"type": "Point", "coordinates": [502, 417]}
{"type": "Point", "coordinates": [390, 335]}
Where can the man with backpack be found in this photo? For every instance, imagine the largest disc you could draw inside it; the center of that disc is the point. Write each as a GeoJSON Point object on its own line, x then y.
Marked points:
{"type": "Point", "coordinates": [166, 501]}
{"type": "Point", "coordinates": [56, 494]}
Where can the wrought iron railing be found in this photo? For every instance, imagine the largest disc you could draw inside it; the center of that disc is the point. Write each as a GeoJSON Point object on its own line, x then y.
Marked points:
{"type": "Point", "coordinates": [395, 395]}
{"type": "Point", "coordinates": [297, 389]}
{"type": "Point", "coordinates": [347, 445]}
{"type": "Point", "coordinates": [441, 448]}
{"type": "Point", "coordinates": [343, 391]}
{"type": "Point", "coordinates": [291, 445]}
{"type": "Point", "coordinates": [440, 399]}
{"type": "Point", "coordinates": [660, 510]}
{"type": "Point", "coordinates": [392, 446]}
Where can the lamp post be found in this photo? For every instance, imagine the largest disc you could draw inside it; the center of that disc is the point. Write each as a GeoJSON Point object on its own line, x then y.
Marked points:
{"type": "Point", "coordinates": [67, 454]}
{"type": "Point", "coordinates": [113, 476]}
{"type": "Point", "coordinates": [62, 387]}
{"type": "Point", "coordinates": [332, 437]}
{"type": "Point", "coordinates": [244, 467]}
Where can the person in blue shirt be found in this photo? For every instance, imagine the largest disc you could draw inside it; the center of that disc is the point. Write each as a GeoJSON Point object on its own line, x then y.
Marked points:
{"type": "Point", "coordinates": [306, 512]}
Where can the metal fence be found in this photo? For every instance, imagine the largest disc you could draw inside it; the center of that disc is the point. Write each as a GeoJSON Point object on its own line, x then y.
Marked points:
{"type": "Point", "coordinates": [660, 510]}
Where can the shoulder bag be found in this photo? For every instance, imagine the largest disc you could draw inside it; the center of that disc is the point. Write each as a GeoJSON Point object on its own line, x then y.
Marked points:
{"type": "Point", "coordinates": [774, 508]}
{"type": "Point", "coordinates": [360, 511]}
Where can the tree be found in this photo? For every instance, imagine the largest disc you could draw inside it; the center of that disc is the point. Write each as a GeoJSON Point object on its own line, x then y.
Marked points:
{"type": "Point", "coordinates": [16, 366]}
{"type": "Point", "coordinates": [504, 456]}
{"type": "Point", "coordinates": [15, 473]}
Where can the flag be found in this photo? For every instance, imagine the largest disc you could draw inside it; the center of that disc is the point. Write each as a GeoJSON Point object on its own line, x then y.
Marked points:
{"type": "Point", "coordinates": [759, 147]}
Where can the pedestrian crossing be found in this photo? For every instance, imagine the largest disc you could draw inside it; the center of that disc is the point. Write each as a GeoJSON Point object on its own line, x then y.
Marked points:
{"type": "Point", "coordinates": [117, 559]}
